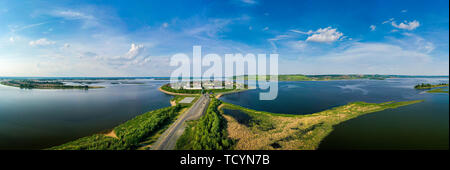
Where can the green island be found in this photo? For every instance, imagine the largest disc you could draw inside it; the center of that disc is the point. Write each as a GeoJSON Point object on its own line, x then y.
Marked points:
{"type": "Point", "coordinates": [430, 86]}
{"type": "Point", "coordinates": [43, 84]}
{"type": "Point", "coordinates": [266, 131]}
{"type": "Point", "coordinates": [301, 77]}
{"type": "Point", "coordinates": [433, 88]}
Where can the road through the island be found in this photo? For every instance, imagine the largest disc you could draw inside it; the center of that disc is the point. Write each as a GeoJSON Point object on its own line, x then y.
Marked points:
{"type": "Point", "coordinates": [168, 139]}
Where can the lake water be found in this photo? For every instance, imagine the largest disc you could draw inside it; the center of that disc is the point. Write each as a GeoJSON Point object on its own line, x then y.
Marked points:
{"type": "Point", "coordinates": [37, 118]}
{"type": "Point", "coordinates": [420, 126]}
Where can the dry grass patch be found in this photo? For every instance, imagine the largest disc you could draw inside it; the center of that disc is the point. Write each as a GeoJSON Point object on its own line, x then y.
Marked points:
{"type": "Point", "coordinates": [269, 131]}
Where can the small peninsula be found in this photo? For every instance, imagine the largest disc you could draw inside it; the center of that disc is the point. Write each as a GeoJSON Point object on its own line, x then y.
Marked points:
{"type": "Point", "coordinates": [259, 130]}
{"type": "Point", "coordinates": [433, 88]}
{"type": "Point", "coordinates": [430, 86]}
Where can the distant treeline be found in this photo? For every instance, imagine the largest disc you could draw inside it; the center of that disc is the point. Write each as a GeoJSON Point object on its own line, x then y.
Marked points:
{"type": "Point", "coordinates": [301, 77]}
{"type": "Point", "coordinates": [34, 84]}
{"type": "Point", "coordinates": [207, 133]}
{"type": "Point", "coordinates": [429, 86]}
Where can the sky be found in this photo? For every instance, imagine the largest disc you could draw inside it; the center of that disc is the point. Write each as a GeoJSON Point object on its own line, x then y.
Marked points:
{"type": "Point", "coordinates": [138, 38]}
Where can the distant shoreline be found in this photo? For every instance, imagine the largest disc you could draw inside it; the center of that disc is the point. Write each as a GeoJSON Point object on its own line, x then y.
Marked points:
{"type": "Point", "coordinates": [45, 85]}
{"type": "Point", "coordinates": [168, 78]}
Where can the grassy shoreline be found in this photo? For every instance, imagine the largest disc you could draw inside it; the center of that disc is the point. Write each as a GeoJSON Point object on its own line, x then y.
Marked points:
{"type": "Point", "coordinates": [132, 134]}
{"type": "Point", "coordinates": [438, 90]}
{"type": "Point", "coordinates": [268, 131]}
{"type": "Point", "coordinates": [430, 86]}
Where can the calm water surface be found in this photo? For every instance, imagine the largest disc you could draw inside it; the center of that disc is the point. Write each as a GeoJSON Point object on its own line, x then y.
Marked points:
{"type": "Point", "coordinates": [420, 126]}
{"type": "Point", "coordinates": [36, 119]}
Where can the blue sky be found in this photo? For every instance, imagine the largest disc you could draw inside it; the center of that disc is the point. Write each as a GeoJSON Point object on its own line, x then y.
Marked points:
{"type": "Point", "coordinates": [137, 38]}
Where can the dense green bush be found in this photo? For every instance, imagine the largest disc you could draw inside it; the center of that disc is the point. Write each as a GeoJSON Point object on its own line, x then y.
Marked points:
{"type": "Point", "coordinates": [138, 128]}
{"type": "Point", "coordinates": [208, 133]}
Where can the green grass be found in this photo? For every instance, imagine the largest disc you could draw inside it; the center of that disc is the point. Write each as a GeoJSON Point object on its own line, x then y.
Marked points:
{"type": "Point", "coordinates": [438, 90]}
{"type": "Point", "coordinates": [130, 134]}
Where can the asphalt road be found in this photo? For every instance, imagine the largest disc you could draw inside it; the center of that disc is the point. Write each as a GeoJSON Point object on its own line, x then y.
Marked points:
{"type": "Point", "coordinates": [169, 138]}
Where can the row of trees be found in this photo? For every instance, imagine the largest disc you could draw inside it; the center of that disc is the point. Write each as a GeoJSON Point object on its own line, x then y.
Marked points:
{"type": "Point", "coordinates": [428, 86]}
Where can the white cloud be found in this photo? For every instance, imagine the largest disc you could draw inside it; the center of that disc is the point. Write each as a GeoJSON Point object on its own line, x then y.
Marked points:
{"type": "Point", "coordinates": [66, 45]}
{"type": "Point", "coordinates": [301, 32]}
{"type": "Point", "coordinates": [379, 58]}
{"type": "Point", "coordinates": [389, 20]}
{"type": "Point", "coordinates": [41, 42]}
{"type": "Point", "coordinates": [298, 45]}
{"type": "Point", "coordinates": [372, 27]}
{"type": "Point", "coordinates": [134, 51]}
{"type": "Point", "coordinates": [11, 39]}
{"type": "Point", "coordinates": [325, 35]}
{"type": "Point", "coordinates": [250, 28]}
{"type": "Point", "coordinates": [407, 25]}
{"type": "Point", "coordinates": [403, 11]}
{"type": "Point", "coordinates": [265, 28]}
{"type": "Point", "coordinates": [69, 14]}
{"type": "Point", "coordinates": [87, 19]}
{"type": "Point", "coordinates": [250, 2]}
{"type": "Point", "coordinates": [377, 53]}
{"type": "Point", "coordinates": [418, 43]}
{"type": "Point", "coordinates": [16, 28]}
{"type": "Point", "coordinates": [279, 37]}
{"type": "Point", "coordinates": [165, 25]}
{"type": "Point", "coordinates": [211, 28]}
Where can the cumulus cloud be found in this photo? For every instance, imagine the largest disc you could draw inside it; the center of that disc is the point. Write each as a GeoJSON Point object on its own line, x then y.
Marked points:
{"type": "Point", "coordinates": [134, 51]}
{"type": "Point", "coordinates": [325, 35]}
{"type": "Point", "coordinates": [372, 27]}
{"type": "Point", "coordinates": [41, 42]}
{"type": "Point", "coordinates": [406, 25]}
